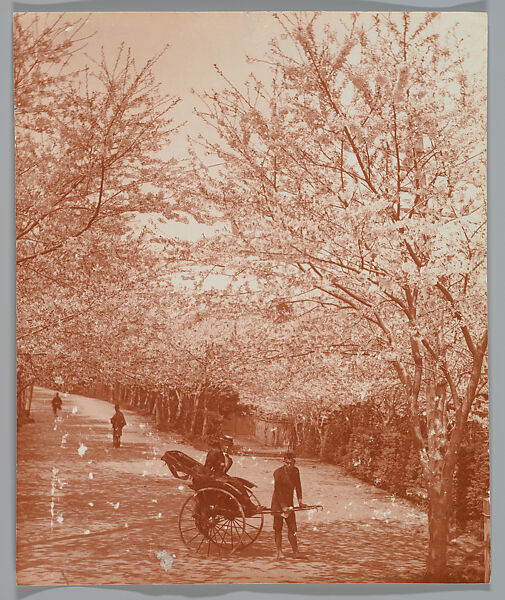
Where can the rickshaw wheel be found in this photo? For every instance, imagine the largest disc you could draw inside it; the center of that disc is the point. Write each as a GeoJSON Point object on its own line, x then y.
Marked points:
{"type": "Point", "coordinates": [212, 521]}
{"type": "Point", "coordinates": [253, 524]}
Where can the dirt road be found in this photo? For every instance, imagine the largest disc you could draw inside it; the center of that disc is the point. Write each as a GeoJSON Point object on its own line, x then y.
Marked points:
{"type": "Point", "coordinates": [92, 514]}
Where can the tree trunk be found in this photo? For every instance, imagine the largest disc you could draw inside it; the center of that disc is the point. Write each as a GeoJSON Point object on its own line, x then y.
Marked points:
{"type": "Point", "coordinates": [196, 408]}
{"type": "Point", "coordinates": [152, 401]}
{"type": "Point", "coordinates": [168, 396]}
{"type": "Point", "coordinates": [205, 414]}
{"type": "Point", "coordinates": [128, 396]}
{"type": "Point", "coordinates": [19, 396]}
{"type": "Point", "coordinates": [325, 434]}
{"type": "Point", "coordinates": [165, 406]}
{"type": "Point", "coordinates": [30, 397]}
{"type": "Point", "coordinates": [159, 409]}
{"type": "Point", "coordinates": [24, 391]}
{"type": "Point", "coordinates": [179, 407]}
{"type": "Point", "coordinates": [438, 526]}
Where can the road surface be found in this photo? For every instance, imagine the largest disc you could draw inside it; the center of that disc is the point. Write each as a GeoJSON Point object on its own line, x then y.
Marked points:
{"type": "Point", "coordinates": [92, 514]}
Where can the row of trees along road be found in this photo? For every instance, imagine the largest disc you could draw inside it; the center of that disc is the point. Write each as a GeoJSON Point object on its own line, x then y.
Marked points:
{"type": "Point", "coordinates": [357, 178]}
{"type": "Point", "coordinates": [95, 297]}
{"type": "Point", "coordinates": [355, 190]}
{"type": "Point", "coordinates": [87, 151]}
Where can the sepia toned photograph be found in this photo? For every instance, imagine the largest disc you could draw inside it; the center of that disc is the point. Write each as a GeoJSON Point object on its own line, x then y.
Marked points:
{"type": "Point", "coordinates": [251, 296]}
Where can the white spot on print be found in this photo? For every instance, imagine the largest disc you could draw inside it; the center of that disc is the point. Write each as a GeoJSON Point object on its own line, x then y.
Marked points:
{"type": "Point", "coordinates": [74, 410]}
{"type": "Point", "coordinates": [91, 475]}
{"type": "Point", "coordinates": [166, 559]}
{"type": "Point", "coordinates": [54, 480]}
{"type": "Point", "coordinates": [64, 440]}
{"type": "Point", "coordinates": [87, 532]}
{"type": "Point", "coordinates": [91, 503]}
{"type": "Point", "coordinates": [82, 449]}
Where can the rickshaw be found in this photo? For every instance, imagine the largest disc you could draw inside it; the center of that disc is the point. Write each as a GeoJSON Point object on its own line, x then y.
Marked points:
{"type": "Point", "coordinates": [223, 515]}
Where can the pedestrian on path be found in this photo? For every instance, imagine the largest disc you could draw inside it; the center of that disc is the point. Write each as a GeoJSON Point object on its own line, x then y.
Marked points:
{"type": "Point", "coordinates": [56, 403]}
{"type": "Point", "coordinates": [286, 481]}
{"type": "Point", "coordinates": [118, 422]}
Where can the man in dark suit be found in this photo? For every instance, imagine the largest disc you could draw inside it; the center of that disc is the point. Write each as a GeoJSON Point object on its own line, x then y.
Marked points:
{"type": "Point", "coordinates": [118, 422]}
{"type": "Point", "coordinates": [56, 404]}
{"type": "Point", "coordinates": [286, 481]}
{"type": "Point", "coordinates": [216, 459]}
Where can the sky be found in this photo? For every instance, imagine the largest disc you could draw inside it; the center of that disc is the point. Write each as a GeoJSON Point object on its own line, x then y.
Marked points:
{"type": "Point", "coordinates": [200, 40]}
{"type": "Point", "coordinates": [197, 42]}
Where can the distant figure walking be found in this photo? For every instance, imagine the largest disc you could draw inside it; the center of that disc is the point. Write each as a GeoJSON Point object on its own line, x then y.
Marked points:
{"type": "Point", "coordinates": [293, 438]}
{"type": "Point", "coordinates": [118, 422]}
{"type": "Point", "coordinates": [56, 403]}
{"type": "Point", "coordinates": [286, 481]}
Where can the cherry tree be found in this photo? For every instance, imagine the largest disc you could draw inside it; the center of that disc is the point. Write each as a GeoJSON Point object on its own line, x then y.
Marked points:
{"type": "Point", "coordinates": [88, 140]}
{"type": "Point", "coordinates": [356, 176]}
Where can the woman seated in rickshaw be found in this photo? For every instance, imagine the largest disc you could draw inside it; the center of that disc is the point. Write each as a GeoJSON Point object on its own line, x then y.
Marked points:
{"type": "Point", "coordinates": [212, 474]}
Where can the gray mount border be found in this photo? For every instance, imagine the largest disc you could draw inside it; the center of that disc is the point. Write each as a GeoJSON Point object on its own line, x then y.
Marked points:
{"type": "Point", "coordinates": [496, 244]}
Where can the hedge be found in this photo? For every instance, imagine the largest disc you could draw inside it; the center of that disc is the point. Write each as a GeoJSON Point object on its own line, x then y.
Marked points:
{"type": "Point", "coordinates": [382, 452]}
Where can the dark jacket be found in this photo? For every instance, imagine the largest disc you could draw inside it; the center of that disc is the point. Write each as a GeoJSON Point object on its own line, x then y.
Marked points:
{"type": "Point", "coordinates": [118, 421]}
{"type": "Point", "coordinates": [286, 481]}
{"type": "Point", "coordinates": [216, 461]}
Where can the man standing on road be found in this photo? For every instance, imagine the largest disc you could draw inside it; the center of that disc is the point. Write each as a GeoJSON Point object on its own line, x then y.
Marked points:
{"type": "Point", "coordinates": [118, 422]}
{"type": "Point", "coordinates": [286, 481]}
{"type": "Point", "coordinates": [56, 403]}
